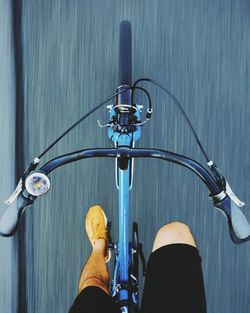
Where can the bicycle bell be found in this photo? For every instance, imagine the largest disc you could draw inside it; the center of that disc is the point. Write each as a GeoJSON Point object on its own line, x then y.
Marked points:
{"type": "Point", "coordinates": [37, 183]}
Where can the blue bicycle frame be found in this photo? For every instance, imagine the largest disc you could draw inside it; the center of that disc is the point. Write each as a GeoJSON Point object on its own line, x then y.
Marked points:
{"type": "Point", "coordinates": [124, 179]}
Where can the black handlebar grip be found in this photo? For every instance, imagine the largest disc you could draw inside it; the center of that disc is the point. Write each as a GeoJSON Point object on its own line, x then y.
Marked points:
{"type": "Point", "coordinates": [239, 227]}
{"type": "Point", "coordinates": [10, 219]}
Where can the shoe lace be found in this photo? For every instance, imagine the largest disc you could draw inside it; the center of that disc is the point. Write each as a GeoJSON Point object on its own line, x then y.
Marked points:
{"type": "Point", "coordinates": [97, 234]}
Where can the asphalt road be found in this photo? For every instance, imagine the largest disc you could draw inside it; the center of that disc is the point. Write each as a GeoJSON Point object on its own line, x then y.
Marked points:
{"type": "Point", "coordinates": [200, 50]}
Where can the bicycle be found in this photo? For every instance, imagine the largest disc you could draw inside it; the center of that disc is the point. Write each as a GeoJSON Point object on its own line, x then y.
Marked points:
{"type": "Point", "coordinates": [124, 129]}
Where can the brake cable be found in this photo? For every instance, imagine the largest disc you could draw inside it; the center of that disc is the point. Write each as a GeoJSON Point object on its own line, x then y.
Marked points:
{"type": "Point", "coordinates": [180, 108]}
{"type": "Point", "coordinates": [149, 110]}
{"type": "Point", "coordinates": [217, 174]}
{"type": "Point", "coordinates": [220, 179]}
{"type": "Point", "coordinates": [80, 120]}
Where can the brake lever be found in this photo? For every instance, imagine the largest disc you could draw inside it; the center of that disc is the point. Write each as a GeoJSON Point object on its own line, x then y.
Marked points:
{"type": "Point", "coordinates": [16, 192]}
{"type": "Point", "coordinates": [224, 185]}
{"type": "Point", "coordinates": [232, 196]}
{"type": "Point", "coordinates": [227, 192]}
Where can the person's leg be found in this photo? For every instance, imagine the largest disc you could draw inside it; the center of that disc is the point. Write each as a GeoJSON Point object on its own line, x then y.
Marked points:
{"type": "Point", "coordinates": [175, 232]}
{"type": "Point", "coordinates": [95, 271]}
{"type": "Point", "coordinates": [93, 287]}
{"type": "Point", "coordinates": [174, 281]}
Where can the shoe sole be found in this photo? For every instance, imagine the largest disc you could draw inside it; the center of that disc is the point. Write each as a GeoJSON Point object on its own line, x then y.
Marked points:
{"type": "Point", "coordinates": [106, 223]}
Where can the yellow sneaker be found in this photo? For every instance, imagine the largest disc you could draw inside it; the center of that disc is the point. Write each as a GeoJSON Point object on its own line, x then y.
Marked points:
{"type": "Point", "coordinates": [96, 227]}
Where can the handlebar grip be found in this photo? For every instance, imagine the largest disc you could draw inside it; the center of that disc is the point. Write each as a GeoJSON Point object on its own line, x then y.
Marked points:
{"type": "Point", "coordinates": [10, 219]}
{"type": "Point", "coordinates": [239, 227]}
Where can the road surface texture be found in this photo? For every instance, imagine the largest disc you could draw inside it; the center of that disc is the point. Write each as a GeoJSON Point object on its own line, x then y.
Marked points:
{"type": "Point", "coordinates": [200, 50]}
{"type": "Point", "coordinates": [8, 246]}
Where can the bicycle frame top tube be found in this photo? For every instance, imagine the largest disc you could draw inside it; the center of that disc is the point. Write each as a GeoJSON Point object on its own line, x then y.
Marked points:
{"type": "Point", "coordinates": [123, 244]}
